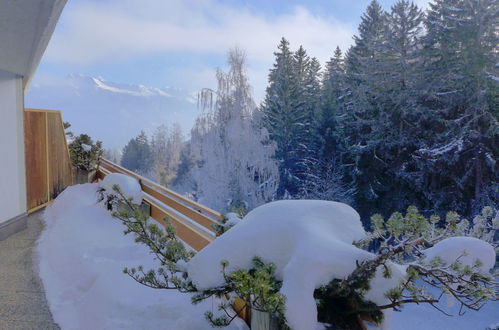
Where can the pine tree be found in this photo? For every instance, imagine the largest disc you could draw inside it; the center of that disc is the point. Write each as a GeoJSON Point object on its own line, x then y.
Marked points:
{"type": "Point", "coordinates": [287, 114]}
{"type": "Point", "coordinates": [397, 133]}
{"type": "Point", "coordinates": [458, 166]}
{"type": "Point", "coordinates": [332, 96]}
{"type": "Point", "coordinates": [137, 156]}
{"type": "Point", "coordinates": [366, 77]}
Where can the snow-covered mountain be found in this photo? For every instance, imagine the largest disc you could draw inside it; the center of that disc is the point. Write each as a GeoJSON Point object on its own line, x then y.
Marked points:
{"type": "Point", "coordinates": [109, 111]}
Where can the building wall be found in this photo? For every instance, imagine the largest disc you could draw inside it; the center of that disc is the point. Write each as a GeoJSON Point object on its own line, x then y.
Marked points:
{"type": "Point", "coordinates": [12, 166]}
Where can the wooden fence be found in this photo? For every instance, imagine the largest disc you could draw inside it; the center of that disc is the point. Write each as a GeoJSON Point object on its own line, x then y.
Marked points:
{"type": "Point", "coordinates": [48, 164]}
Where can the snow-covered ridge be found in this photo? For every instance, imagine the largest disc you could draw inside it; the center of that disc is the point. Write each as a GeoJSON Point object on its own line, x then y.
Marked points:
{"type": "Point", "coordinates": [127, 108]}
{"type": "Point", "coordinates": [139, 90]}
{"type": "Point", "coordinates": [79, 81]}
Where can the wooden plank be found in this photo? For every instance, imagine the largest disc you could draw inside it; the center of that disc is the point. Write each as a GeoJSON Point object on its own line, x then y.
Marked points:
{"type": "Point", "coordinates": [187, 232]}
{"type": "Point", "coordinates": [35, 139]}
{"type": "Point", "coordinates": [60, 168]}
{"type": "Point", "coordinates": [158, 192]}
{"type": "Point", "coordinates": [188, 212]}
{"type": "Point", "coordinates": [40, 206]}
{"type": "Point", "coordinates": [48, 164]}
{"type": "Point", "coordinates": [72, 169]}
{"type": "Point", "coordinates": [41, 110]}
{"type": "Point", "coordinates": [196, 206]}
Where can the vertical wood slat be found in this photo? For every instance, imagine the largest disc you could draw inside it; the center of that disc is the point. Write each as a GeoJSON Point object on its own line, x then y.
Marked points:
{"type": "Point", "coordinates": [48, 164]}
{"type": "Point", "coordinates": [36, 158]}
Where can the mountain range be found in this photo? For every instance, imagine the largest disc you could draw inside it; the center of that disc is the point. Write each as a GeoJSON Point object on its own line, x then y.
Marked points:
{"type": "Point", "coordinates": [112, 112]}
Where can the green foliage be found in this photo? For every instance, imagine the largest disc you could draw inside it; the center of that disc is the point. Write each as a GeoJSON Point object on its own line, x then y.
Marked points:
{"type": "Point", "coordinates": [403, 239]}
{"type": "Point", "coordinates": [137, 155]}
{"type": "Point", "coordinates": [162, 242]}
{"type": "Point", "coordinates": [340, 303]}
{"type": "Point", "coordinates": [84, 152]}
{"type": "Point", "coordinates": [259, 287]}
{"type": "Point", "coordinates": [222, 226]}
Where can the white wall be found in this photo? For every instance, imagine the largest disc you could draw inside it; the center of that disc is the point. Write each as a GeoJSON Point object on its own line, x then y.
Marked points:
{"type": "Point", "coordinates": [12, 166]}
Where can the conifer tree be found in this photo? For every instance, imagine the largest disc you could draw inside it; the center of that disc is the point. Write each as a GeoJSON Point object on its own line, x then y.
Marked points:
{"type": "Point", "coordinates": [365, 79]}
{"type": "Point", "coordinates": [457, 168]}
{"type": "Point", "coordinates": [137, 156]}
{"type": "Point", "coordinates": [280, 114]}
{"type": "Point", "coordinates": [332, 95]}
{"type": "Point", "coordinates": [288, 110]}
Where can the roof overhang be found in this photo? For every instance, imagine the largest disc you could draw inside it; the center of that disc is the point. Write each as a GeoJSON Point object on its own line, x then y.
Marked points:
{"type": "Point", "coordinates": [26, 27]}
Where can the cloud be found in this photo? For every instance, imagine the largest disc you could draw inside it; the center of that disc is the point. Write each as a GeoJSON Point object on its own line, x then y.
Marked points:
{"type": "Point", "coordinates": [98, 32]}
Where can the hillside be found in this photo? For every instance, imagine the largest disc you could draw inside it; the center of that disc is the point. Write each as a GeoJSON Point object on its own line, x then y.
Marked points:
{"type": "Point", "coordinates": [109, 111]}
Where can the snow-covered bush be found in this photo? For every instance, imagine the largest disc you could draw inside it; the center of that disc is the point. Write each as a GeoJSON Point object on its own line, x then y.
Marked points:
{"type": "Point", "coordinates": [308, 261]}
{"type": "Point", "coordinates": [128, 187]}
{"type": "Point", "coordinates": [84, 152]}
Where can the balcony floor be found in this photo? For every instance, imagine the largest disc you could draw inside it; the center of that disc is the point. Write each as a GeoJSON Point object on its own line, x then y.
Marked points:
{"type": "Point", "coordinates": [22, 299]}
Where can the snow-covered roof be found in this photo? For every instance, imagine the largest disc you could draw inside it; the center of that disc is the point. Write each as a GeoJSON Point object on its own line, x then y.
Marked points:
{"type": "Point", "coordinates": [25, 30]}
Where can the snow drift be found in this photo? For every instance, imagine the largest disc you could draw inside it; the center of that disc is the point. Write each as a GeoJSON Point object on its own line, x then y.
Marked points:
{"type": "Point", "coordinates": [82, 254]}
{"type": "Point", "coordinates": [464, 249]}
{"type": "Point", "coordinates": [83, 251]}
{"type": "Point", "coordinates": [310, 242]}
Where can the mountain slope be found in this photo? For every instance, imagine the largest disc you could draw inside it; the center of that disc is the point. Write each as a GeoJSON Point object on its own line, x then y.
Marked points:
{"type": "Point", "coordinates": [109, 111]}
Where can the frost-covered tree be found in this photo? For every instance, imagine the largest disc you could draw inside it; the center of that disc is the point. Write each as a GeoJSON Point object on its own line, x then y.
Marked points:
{"type": "Point", "coordinates": [457, 167]}
{"type": "Point", "coordinates": [175, 145]}
{"type": "Point", "coordinates": [113, 155]}
{"type": "Point", "coordinates": [365, 78]}
{"type": "Point", "coordinates": [331, 106]}
{"type": "Point", "coordinates": [233, 156]}
{"type": "Point", "coordinates": [380, 115]}
{"type": "Point", "coordinates": [159, 150]}
{"type": "Point", "coordinates": [326, 181]}
{"type": "Point", "coordinates": [166, 147]}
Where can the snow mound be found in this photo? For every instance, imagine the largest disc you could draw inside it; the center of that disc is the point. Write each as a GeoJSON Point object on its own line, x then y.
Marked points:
{"type": "Point", "coordinates": [82, 252]}
{"type": "Point", "coordinates": [129, 186]}
{"type": "Point", "coordinates": [310, 242]}
{"type": "Point", "coordinates": [467, 249]}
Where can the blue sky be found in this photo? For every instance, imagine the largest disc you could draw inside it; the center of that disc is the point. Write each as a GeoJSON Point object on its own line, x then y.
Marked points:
{"type": "Point", "coordinates": [180, 43]}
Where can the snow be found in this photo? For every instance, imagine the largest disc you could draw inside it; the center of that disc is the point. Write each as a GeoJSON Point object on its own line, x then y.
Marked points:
{"type": "Point", "coordinates": [425, 317]}
{"type": "Point", "coordinates": [467, 249]}
{"type": "Point", "coordinates": [232, 219]}
{"type": "Point", "coordinates": [82, 253]}
{"type": "Point", "coordinates": [309, 241]}
{"type": "Point", "coordinates": [129, 186]}
{"type": "Point", "coordinates": [139, 90]}
{"type": "Point", "coordinates": [86, 147]}
{"type": "Point", "coordinates": [454, 146]}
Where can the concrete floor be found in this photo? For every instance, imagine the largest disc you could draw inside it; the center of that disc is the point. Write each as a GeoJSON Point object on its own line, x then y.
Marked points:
{"type": "Point", "coordinates": [23, 304]}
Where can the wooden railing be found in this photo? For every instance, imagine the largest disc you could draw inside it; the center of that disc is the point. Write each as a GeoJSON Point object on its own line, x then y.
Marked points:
{"type": "Point", "coordinates": [192, 221]}
{"type": "Point", "coordinates": [48, 164]}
